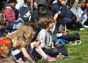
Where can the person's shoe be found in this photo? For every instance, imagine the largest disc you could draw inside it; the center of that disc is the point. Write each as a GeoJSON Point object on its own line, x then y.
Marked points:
{"type": "Point", "coordinates": [62, 56]}
{"type": "Point", "coordinates": [81, 28]}
{"type": "Point", "coordinates": [85, 26]}
{"type": "Point", "coordinates": [58, 56]}
{"type": "Point", "coordinates": [50, 59]}
{"type": "Point", "coordinates": [78, 41]}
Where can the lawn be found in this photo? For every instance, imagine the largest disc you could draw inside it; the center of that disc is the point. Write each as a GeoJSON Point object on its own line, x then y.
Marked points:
{"type": "Point", "coordinates": [77, 53]}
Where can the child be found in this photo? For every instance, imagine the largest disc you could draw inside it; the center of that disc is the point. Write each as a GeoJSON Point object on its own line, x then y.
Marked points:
{"type": "Point", "coordinates": [45, 38]}
{"type": "Point", "coordinates": [20, 42]}
{"type": "Point", "coordinates": [45, 23]}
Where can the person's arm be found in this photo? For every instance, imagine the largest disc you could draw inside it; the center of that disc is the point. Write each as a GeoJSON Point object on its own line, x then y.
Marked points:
{"type": "Point", "coordinates": [74, 6]}
{"type": "Point", "coordinates": [56, 15]}
{"type": "Point", "coordinates": [41, 37]}
{"type": "Point", "coordinates": [26, 55]}
{"type": "Point", "coordinates": [38, 49]}
{"type": "Point", "coordinates": [41, 52]}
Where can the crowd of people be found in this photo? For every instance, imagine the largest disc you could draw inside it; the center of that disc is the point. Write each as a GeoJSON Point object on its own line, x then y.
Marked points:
{"type": "Point", "coordinates": [31, 30]}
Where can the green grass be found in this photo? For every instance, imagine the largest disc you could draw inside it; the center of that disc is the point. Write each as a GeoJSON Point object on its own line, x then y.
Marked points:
{"type": "Point", "coordinates": [77, 53]}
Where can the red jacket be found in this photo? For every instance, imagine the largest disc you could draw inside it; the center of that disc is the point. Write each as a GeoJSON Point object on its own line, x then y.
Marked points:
{"type": "Point", "coordinates": [9, 15]}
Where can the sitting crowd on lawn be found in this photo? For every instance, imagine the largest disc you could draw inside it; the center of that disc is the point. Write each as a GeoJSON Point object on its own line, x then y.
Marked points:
{"type": "Point", "coordinates": [31, 30]}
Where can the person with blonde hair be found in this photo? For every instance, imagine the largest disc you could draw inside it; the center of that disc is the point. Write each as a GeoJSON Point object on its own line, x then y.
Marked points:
{"type": "Point", "coordinates": [21, 40]}
{"type": "Point", "coordinates": [16, 45]}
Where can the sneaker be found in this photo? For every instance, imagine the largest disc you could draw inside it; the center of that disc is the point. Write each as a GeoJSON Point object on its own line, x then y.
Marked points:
{"type": "Point", "coordinates": [50, 59]}
{"type": "Point", "coordinates": [85, 26]}
{"type": "Point", "coordinates": [81, 28]}
{"type": "Point", "coordinates": [58, 56]}
{"type": "Point", "coordinates": [73, 43]}
{"type": "Point", "coordinates": [78, 41]}
{"type": "Point", "coordinates": [61, 56]}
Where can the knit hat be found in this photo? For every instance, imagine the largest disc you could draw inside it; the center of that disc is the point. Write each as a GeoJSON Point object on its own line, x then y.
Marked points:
{"type": "Point", "coordinates": [23, 10]}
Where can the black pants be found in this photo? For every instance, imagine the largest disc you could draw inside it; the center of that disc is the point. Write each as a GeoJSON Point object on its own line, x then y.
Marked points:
{"type": "Point", "coordinates": [63, 50]}
{"type": "Point", "coordinates": [71, 37]}
{"type": "Point", "coordinates": [52, 52]}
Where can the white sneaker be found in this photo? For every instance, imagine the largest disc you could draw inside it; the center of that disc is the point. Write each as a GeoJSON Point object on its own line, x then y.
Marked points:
{"type": "Point", "coordinates": [85, 26]}
{"type": "Point", "coordinates": [81, 28]}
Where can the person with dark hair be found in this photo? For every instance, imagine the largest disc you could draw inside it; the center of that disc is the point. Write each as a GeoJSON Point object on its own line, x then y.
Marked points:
{"type": "Point", "coordinates": [44, 40]}
{"type": "Point", "coordinates": [61, 36]}
{"type": "Point", "coordinates": [80, 14]}
{"type": "Point", "coordinates": [84, 7]}
{"type": "Point", "coordinates": [30, 7]}
{"type": "Point", "coordinates": [11, 14]}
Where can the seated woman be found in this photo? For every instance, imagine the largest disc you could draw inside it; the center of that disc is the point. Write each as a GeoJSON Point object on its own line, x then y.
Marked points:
{"type": "Point", "coordinates": [61, 32]}
{"type": "Point", "coordinates": [16, 45]}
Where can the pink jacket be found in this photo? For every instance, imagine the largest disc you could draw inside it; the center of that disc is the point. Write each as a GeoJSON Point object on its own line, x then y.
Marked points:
{"type": "Point", "coordinates": [9, 15]}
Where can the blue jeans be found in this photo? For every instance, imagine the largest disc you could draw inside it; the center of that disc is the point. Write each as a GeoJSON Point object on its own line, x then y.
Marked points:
{"type": "Point", "coordinates": [67, 21]}
{"type": "Point", "coordinates": [61, 42]}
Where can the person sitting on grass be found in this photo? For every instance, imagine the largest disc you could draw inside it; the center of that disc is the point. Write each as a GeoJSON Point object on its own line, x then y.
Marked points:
{"type": "Point", "coordinates": [44, 39]}
{"type": "Point", "coordinates": [15, 46]}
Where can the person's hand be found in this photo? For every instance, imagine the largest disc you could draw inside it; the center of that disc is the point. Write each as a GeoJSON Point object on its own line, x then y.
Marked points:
{"type": "Point", "coordinates": [37, 44]}
{"type": "Point", "coordinates": [65, 33]}
{"type": "Point", "coordinates": [53, 47]}
{"type": "Point", "coordinates": [47, 47]}
{"type": "Point", "coordinates": [78, 20]}
{"type": "Point", "coordinates": [28, 14]}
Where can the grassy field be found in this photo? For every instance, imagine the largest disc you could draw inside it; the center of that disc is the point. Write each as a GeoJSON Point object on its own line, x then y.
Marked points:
{"type": "Point", "coordinates": [77, 53]}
